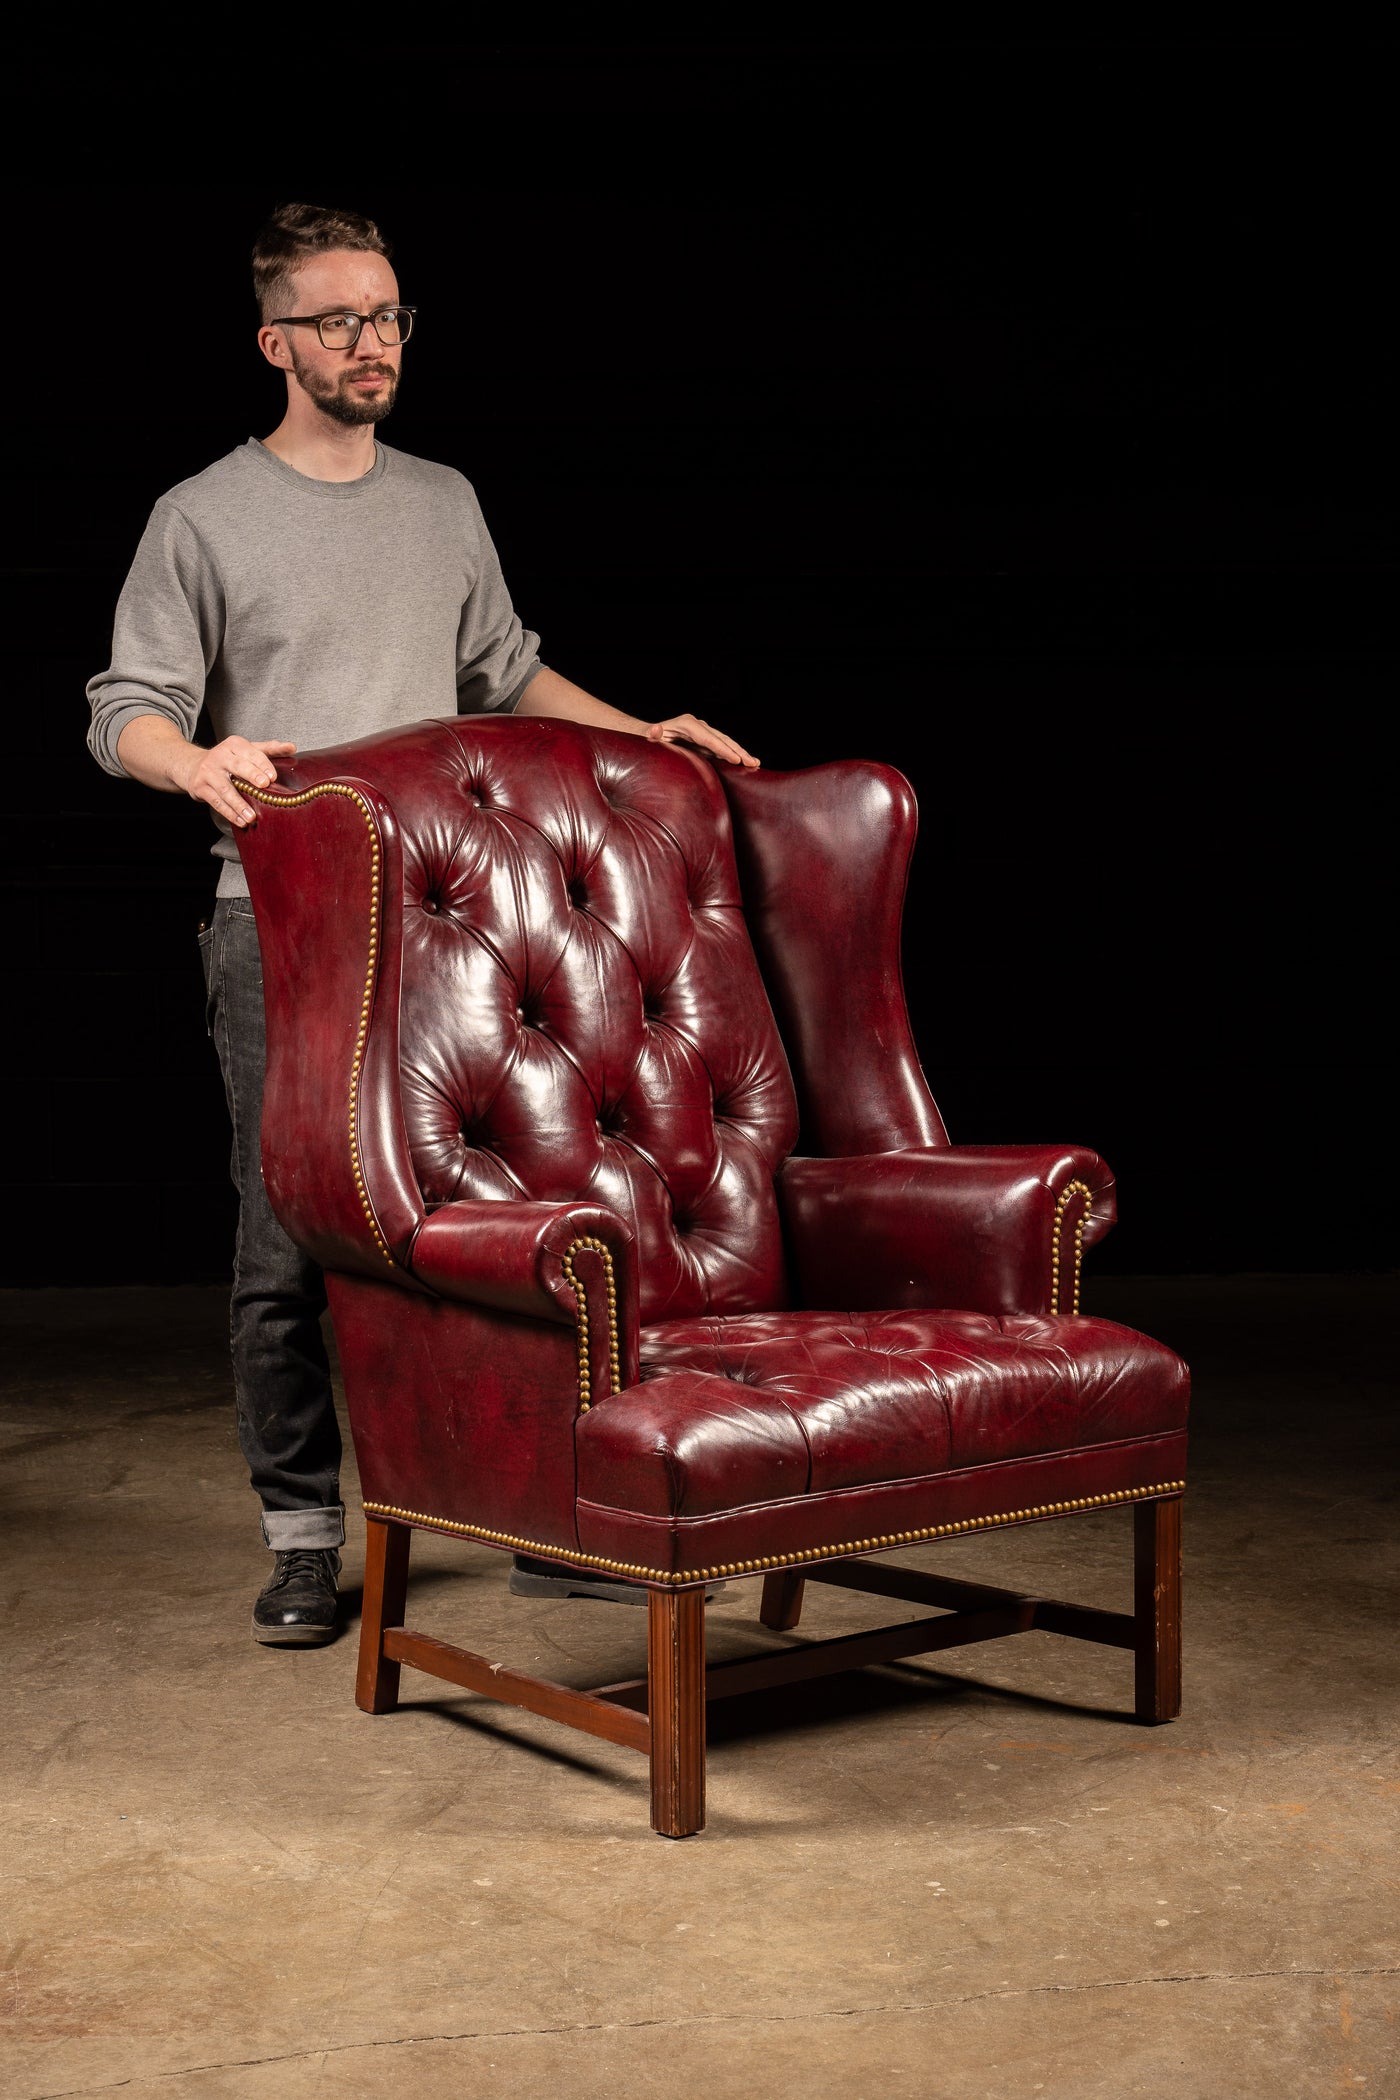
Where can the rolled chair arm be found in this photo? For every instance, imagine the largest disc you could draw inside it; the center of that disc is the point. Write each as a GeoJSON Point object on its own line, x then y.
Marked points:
{"type": "Point", "coordinates": [562, 1262]}
{"type": "Point", "coordinates": [987, 1228]}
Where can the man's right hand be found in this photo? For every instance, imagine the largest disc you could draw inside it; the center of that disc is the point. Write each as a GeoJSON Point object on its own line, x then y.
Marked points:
{"type": "Point", "coordinates": [151, 749]}
{"type": "Point", "coordinates": [210, 775]}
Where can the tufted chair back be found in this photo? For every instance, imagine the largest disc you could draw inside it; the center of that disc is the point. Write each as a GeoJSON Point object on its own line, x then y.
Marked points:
{"type": "Point", "coordinates": [580, 1015]}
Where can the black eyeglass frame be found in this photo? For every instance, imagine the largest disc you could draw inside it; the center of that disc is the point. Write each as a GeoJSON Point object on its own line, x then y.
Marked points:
{"type": "Point", "coordinates": [333, 313]}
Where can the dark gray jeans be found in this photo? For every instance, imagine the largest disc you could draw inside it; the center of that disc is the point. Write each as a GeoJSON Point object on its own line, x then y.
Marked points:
{"type": "Point", "coordinates": [286, 1416]}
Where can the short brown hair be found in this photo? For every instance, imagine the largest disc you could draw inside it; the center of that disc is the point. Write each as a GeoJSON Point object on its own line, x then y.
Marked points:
{"type": "Point", "coordinates": [295, 233]}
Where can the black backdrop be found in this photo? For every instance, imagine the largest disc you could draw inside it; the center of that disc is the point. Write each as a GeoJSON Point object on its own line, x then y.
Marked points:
{"type": "Point", "coordinates": [1020, 413]}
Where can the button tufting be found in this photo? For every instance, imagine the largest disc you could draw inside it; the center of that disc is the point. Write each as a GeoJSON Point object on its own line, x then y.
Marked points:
{"type": "Point", "coordinates": [633, 1026]}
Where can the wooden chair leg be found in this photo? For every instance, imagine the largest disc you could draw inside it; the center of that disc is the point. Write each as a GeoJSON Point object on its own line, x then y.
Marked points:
{"type": "Point", "coordinates": [1157, 1609]}
{"type": "Point", "coordinates": [386, 1589]}
{"type": "Point", "coordinates": [782, 1600]}
{"type": "Point", "coordinates": [676, 1705]}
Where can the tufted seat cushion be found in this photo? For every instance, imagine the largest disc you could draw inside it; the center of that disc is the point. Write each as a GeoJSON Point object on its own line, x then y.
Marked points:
{"type": "Point", "coordinates": [763, 1407]}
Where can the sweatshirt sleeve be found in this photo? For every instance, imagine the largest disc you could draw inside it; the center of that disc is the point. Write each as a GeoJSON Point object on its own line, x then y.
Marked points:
{"type": "Point", "coordinates": [167, 633]}
{"type": "Point", "coordinates": [496, 656]}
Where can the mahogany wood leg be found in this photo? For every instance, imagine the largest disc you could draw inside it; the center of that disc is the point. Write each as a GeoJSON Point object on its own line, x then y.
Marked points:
{"type": "Point", "coordinates": [782, 1600]}
{"type": "Point", "coordinates": [676, 1705]}
{"type": "Point", "coordinates": [1157, 1608]}
{"type": "Point", "coordinates": [386, 1588]}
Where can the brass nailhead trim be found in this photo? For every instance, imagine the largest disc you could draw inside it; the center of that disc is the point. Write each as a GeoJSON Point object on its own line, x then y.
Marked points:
{"type": "Point", "coordinates": [585, 1375]}
{"type": "Point", "coordinates": [338, 787]}
{"type": "Point", "coordinates": [776, 1560]}
{"type": "Point", "coordinates": [1066, 1195]}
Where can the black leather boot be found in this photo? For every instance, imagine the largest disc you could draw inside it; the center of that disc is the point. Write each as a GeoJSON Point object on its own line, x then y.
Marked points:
{"type": "Point", "coordinates": [298, 1607]}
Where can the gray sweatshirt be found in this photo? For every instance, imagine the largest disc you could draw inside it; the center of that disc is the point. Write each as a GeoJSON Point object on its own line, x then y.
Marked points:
{"type": "Point", "coordinates": [310, 610]}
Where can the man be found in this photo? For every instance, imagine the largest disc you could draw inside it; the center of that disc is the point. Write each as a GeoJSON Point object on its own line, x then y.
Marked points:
{"type": "Point", "coordinates": [311, 587]}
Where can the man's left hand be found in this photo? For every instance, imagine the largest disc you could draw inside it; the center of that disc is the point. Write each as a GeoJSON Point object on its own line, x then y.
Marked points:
{"type": "Point", "coordinates": [689, 729]}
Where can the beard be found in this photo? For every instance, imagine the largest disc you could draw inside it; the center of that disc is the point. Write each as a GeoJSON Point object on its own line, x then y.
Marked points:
{"type": "Point", "coordinates": [336, 398]}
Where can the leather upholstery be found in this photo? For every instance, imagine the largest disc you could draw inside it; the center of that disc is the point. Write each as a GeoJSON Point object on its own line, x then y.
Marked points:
{"type": "Point", "coordinates": [327, 899]}
{"type": "Point", "coordinates": [753, 1535]}
{"type": "Point", "coordinates": [852, 1400]}
{"type": "Point", "coordinates": [824, 864]}
{"type": "Point", "coordinates": [580, 1016]}
{"type": "Point", "coordinates": [464, 1412]}
{"type": "Point", "coordinates": [514, 1256]}
{"type": "Point", "coordinates": [768, 1421]}
{"type": "Point", "coordinates": [988, 1227]}
{"type": "Point", "coordinates": [528, 1104]}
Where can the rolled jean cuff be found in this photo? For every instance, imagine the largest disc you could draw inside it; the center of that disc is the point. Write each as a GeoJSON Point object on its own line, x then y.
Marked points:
{"type": "Point", "coordinates": [300, 1530]}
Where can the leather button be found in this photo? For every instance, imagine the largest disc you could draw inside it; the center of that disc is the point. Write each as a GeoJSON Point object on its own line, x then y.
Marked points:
{"type": "Point", "coordinates": [431, 904]}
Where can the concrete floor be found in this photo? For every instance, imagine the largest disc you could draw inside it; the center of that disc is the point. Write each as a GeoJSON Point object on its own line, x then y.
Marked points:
{"type": "Point", "coordinates": [978, 1881]}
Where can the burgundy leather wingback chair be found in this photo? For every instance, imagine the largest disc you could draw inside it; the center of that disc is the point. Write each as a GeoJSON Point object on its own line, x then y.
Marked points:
{"type": "Point", "coordinates": [528, 1104]}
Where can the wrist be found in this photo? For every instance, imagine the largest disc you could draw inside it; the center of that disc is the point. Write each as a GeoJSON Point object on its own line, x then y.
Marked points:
{"type": "Point", "coordinates": [180, 764]}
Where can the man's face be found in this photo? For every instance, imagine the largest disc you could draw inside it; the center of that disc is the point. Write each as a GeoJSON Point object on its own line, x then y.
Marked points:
{"type": "Point", "coordinates": [357, 385]}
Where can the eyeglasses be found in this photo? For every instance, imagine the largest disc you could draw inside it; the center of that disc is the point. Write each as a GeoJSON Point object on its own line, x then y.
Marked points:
{"type": "Point", "coordinates": [341, 330]}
